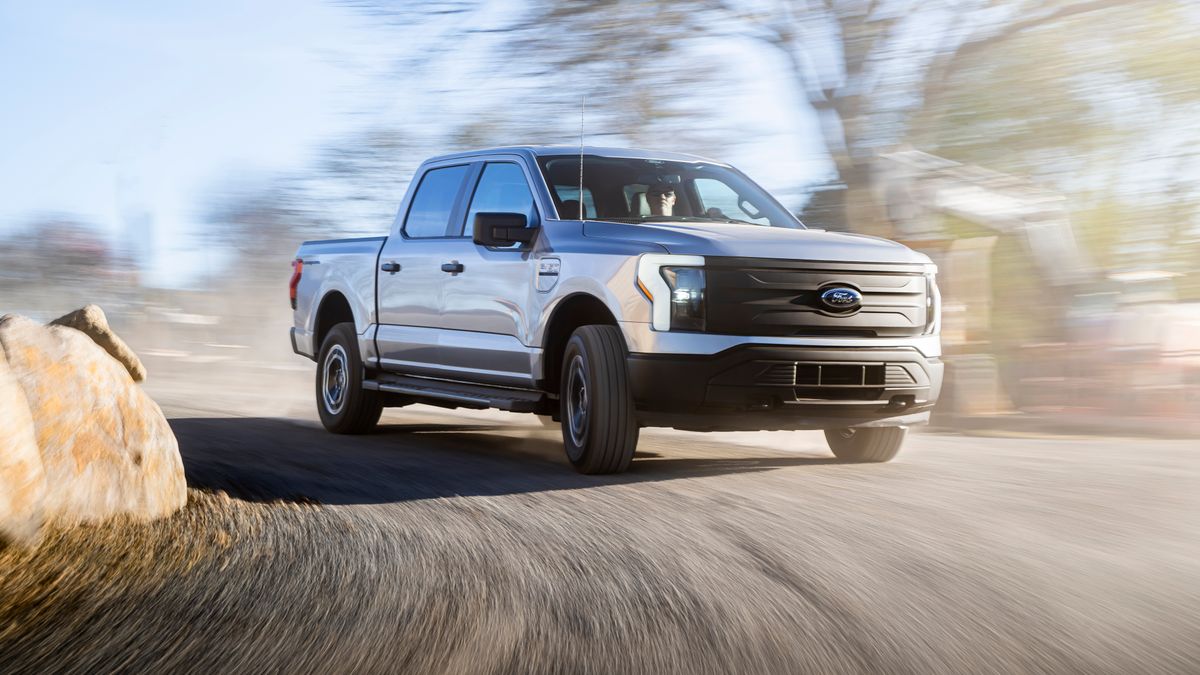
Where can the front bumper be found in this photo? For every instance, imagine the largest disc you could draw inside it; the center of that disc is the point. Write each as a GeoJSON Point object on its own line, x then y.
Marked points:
{"type": "Point", "coordinates": [640, 338]}
{"type": "Point", "coordinates": [755, 386]}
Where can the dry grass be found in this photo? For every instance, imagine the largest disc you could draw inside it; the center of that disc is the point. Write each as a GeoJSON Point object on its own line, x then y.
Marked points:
{"type": "Point", "coordinates": [73, 566]}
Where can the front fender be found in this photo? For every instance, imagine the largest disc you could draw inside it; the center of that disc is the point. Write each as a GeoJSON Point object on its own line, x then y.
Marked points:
{"type": "Point", "coordinates": [615, 287]}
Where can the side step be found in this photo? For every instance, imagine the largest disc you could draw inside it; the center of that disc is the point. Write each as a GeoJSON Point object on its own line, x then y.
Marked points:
{"type": "Point", "coordinates": [478, 395]}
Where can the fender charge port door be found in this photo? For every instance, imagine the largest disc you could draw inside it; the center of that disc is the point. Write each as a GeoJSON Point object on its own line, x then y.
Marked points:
{"type": "Point", "coordinates": [410, 279]}
{"type": "Point", "coordinates": [483, 305]}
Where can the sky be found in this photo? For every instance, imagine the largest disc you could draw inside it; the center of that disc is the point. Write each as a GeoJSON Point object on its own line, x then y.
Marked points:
{"type": "Point", "coordinates": [128, 115]}
{"type": "Point", "coordinates": [127, 111]}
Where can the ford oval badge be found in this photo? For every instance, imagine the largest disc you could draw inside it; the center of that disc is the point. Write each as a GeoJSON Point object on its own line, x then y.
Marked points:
{"type": "Point", "coordinates": [841, 299]}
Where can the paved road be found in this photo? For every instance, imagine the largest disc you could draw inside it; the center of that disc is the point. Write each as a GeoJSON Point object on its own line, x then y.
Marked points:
{"type": "Point", "coordinates": [466, 544]}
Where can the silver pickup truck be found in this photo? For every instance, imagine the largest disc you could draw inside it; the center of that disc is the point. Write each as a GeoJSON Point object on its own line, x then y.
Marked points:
{"type": "Point", "coordinates": [617, 289]}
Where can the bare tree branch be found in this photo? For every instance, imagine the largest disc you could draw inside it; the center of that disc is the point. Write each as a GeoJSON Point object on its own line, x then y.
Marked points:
{"type": "Point", "coordinates": [1004, 32]}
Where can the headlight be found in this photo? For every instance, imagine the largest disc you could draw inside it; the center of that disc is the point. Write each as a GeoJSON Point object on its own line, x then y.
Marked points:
{"type": "Point", "coordinates": [933, 305]}
{"type": "Point", "coordinates": [674, 284]}
{"type": "Point", "coordinates": [687, 297]}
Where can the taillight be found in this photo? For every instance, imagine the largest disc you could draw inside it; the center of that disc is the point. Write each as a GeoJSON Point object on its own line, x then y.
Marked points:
{"type": "Point", "coordinates": [297, 270]}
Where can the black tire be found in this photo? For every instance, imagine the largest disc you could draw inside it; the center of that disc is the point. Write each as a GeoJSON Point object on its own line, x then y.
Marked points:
{"type": "Point", "coordinates": [599, 423]}
{"type": "Point", "coordinates": [869, 444]}
{"type": "Point", "coordinates": [345, 408]}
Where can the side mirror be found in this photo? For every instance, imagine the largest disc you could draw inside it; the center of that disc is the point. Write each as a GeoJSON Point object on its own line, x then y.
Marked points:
{"type": "Point", "coordinates": [503, 229]}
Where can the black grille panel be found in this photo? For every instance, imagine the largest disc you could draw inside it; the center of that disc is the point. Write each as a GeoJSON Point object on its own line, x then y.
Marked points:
{"type": "Point", "coordinates": [774, 376]}
{"type": "Point", "coordinates": [826, 380]}
{"type": "Point", "coordinates": [839, 374]}
{"type": "Point", "coordinates": [782, 298]}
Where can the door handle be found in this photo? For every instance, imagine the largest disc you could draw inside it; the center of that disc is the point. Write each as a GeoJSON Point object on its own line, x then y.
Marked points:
{"type": "Point", "coordinates": [390, 267]}
{"type": "Point", "coordinates": [452, 267]}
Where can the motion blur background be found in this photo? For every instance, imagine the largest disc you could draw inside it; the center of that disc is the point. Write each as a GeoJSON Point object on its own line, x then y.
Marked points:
{"type": "Point", "coordinates": [165, 159]}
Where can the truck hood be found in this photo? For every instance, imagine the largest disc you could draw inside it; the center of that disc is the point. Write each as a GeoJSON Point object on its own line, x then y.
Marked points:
{"type": "Point", "coordinates": [752, 241]}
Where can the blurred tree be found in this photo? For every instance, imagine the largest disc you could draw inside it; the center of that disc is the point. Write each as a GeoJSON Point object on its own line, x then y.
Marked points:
{"type": "Point", "coordinates": [362, 177]}
{"type": "Point", "coordinates": [259, 230]}
{"type": "Point", "coordinates": [1040, 87]}
{"type": "Point", "coordinates": [53, 260]}
{"type": "Point", "coordinates": [869, 67]}
{"type": "Point", "coordinates": [1099, 107]}
{"type": "Point", "coordinates": [866, 67]}
{"type": "Point", "coordinates": [352, 189]}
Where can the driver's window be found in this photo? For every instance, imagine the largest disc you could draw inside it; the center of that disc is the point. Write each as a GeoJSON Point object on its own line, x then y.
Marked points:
{"type": "Point", "coordinates": [502, 188]}
{"type": "Point", "coordinates": [718, 200]}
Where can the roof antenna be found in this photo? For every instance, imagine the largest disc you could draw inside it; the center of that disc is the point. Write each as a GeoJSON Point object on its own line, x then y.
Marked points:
{"type": "Point", "coordinates": [582, 106]}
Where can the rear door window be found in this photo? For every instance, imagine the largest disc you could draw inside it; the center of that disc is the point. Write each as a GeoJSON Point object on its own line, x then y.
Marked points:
{"type": "Point", "coordinates": [433, 204]}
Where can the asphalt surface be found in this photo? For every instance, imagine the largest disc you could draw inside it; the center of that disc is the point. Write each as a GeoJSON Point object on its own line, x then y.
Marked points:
{"type": "Point", "coordinates": [466, 544]}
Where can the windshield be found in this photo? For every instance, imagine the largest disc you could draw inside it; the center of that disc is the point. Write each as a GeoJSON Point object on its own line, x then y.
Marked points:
{"type": "Point", "coordinates": [652, 190]}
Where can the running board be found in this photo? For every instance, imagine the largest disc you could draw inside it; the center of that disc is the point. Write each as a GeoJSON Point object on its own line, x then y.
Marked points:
{"type": "Point", "coordinates": [482, 395]}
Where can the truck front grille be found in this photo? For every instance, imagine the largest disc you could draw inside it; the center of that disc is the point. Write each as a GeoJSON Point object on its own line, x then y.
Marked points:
{"type": "Point", "coordinates": [750, 296]}
{"type": "Point", "coordinates": [770, 375]}
{"type": "Point", "coordinates": [839, 374]}
{"type": "Point", "coordinates": [833, 381]}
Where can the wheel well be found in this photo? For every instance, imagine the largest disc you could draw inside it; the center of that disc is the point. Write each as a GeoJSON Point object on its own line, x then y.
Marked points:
{"type": "Point", "coordinates": [575, 311]}
{"type": "Point", "coordinates": [334, 309]}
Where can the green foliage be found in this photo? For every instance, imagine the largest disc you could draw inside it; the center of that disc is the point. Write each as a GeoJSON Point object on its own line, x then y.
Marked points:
{"type": "Point", "coordinates": [1024, 100]}
{"type": "Point", "coordinates": [1160, 45]}
{"type": "Point", "coordinates": [1100, 227]}
{"type": "Point", "coordinates": [1087, 106]}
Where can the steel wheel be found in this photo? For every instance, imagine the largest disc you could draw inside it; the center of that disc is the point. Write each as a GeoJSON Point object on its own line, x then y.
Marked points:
{"type": "Point", "coordinates": [344, 406]}
{"type": "Point", "coordinates": [599, 421]}
{"type": "Point", "coordinates": [334, 379]}
{"type": "Point", "coordinates": [577, 401]}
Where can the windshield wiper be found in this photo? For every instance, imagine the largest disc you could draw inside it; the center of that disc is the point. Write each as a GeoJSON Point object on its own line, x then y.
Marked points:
{"type": "Point", "coordinates": [708, 219]}
{"type": "Point", "coordinates": [738, 222]}
{"type": "Point", "coordinates": [677, 219]}
{"type": "Point", "coordinates": [646, 219]}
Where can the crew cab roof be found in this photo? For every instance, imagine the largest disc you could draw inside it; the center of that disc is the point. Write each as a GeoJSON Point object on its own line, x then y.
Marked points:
{"type": "Point", "coordinates": [535, 151]}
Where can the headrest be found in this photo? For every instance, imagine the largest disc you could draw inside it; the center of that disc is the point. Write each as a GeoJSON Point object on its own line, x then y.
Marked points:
{"type": "Point", "coordinates": [638, 206]}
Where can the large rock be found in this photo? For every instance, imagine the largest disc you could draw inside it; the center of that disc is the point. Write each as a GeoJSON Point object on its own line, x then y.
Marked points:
{"type": "Point", "coordinates": [92, 322]}
{"type": "Point", "coordinates": [22, 481]}
{"type": "Point", "coordinates": [105, 446]}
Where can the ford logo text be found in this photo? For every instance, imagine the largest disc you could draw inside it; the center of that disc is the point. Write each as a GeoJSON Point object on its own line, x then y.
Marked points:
{"type": "Point", "coordinates": [841, 299]}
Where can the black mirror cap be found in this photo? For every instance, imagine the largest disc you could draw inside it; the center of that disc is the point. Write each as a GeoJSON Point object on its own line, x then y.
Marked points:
{"type": "Point", "coordinates": [503, 229]}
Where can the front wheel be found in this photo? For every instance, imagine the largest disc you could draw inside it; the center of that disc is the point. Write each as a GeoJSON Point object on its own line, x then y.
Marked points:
{"type": "Point", "coordinates": [868, 444]}
{"type": "Point", "coordinates": [344, 406]}
{"type": "Point", "coordinates": [599, 423]}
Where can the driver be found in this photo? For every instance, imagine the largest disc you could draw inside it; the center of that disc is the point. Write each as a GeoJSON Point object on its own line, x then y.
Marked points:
{"type": "Point", "coordinates": [661, 198]}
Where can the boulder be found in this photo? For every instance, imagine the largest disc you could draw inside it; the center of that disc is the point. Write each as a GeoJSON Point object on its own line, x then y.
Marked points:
{"type": "Point", "coordinates": [106, 448]}
{"type": "Point", "coordinates": [22, 481]}
{"type": "Point", "coordinates": [92, 322]}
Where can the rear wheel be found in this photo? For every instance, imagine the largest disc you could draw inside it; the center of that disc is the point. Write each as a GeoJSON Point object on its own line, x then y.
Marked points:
{"type": "Point", "coordinates": [344, 406]}
{"type": "Point", "coordinates": [869, 444]}
{"type": "Point", "coordinates": [599, 424]}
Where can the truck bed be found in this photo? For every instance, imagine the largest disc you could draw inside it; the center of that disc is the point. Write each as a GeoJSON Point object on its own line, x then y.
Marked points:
{"type": "Point", "coordinates": [342, 266]}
